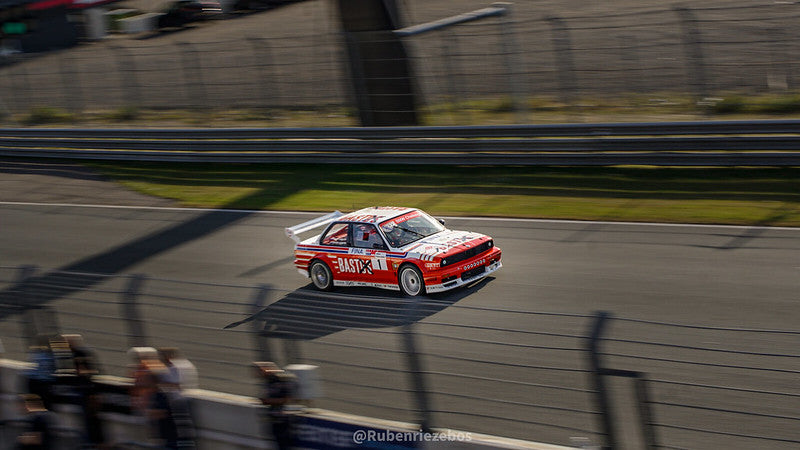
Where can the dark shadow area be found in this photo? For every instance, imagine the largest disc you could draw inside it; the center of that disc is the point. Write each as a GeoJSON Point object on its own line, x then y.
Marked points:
{"type": "Point", "coordinates": [94, 269]}
{"type": "Point", "coordinates": [307, 314]}
{"type": "Point", "coordinates": [741, 240]}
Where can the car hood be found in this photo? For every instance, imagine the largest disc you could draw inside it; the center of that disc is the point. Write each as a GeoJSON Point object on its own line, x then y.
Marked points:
{"type": "Point", "coordinates": [444, 243]}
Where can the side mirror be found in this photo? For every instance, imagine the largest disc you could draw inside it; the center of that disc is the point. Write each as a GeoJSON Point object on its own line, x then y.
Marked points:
{"type": "Point", "coordinates": [441, 221]}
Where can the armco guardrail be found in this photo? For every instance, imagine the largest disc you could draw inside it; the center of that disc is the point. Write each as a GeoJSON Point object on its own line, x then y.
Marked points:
{"type": "Point", "coordinates": [715, 143]}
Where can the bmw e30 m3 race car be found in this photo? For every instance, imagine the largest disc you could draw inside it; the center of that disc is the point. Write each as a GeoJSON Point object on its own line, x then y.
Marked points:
{"type": "Point", "coordinates": [391, 248]}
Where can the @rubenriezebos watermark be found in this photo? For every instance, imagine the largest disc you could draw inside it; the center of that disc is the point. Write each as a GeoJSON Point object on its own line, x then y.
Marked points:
{"type": "Point", "coordinates": [370, 436]}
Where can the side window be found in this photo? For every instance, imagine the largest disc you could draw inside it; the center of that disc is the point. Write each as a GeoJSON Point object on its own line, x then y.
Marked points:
{"type": "Point", "coordinates": [336, 235]}
{"type": "Point", "coordinates": [366, 236]}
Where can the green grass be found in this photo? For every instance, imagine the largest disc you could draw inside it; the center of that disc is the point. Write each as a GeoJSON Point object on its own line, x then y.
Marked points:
{"type": "Point", "coordinates": [745, 196]}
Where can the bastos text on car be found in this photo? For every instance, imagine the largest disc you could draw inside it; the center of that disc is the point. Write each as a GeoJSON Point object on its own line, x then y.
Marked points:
{"type": "Point", "coordinates": [393, 248]}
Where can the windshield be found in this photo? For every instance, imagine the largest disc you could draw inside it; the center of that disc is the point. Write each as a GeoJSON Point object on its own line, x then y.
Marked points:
{"type": "Point", "coordinates": [409, 227]}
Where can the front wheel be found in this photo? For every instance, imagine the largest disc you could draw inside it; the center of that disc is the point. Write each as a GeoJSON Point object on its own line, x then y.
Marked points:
{"type": "Point", "coordinates": [321, 276]}
{"type": "Point", "coordinates": [410, 281]}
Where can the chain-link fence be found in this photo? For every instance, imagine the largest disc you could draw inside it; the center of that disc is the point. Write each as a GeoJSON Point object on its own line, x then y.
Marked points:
{"type": "Point", "coordinates": [644, 60]}
{"type": "Point", "coordinates": [540, 376]}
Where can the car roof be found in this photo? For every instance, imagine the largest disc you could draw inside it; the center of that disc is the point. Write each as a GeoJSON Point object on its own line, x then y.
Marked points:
{"type": "Point", "coordinates": [375, 214]}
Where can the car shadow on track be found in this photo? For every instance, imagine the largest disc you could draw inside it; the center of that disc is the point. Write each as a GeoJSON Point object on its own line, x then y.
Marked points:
{"type": "Point", "coordinates": [308, 314]}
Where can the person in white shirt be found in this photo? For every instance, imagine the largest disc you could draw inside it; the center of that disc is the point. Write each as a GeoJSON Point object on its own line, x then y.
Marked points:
{"type": "Point", "coordinates": [181, 371]}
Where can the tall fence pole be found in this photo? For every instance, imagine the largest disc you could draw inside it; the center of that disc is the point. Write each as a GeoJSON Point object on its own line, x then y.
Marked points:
{"type": "Point", "coordinates": [22, 297]}
{"type": "Point", "coordinates": [260, 340]}
{"type": "Point", "coordinates": [130, 312]}
{"type": "Point", "coordinates": [415, 369]}
{"type": "Point", "coordinates": [565, 63]}
{"type": "Point", "coordinates": [645, 413]}
{"type": "Point", "coordinates": [693, 49]}
{"type": "Point", "coordinates": [193, 74]}
{"type": "Point", "coordinates": [127, 75]}
{"type": "Point", "coordinates": [513, 62]}
{"type": "Point", "coordinates": [602, 395]}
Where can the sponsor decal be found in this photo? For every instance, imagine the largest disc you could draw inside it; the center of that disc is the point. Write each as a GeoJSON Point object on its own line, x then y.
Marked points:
{"type": "Point", "coordinates": [361, 266]}
{"type": "Point", "coordinates": [474, 264]}
{"type": "Point", "coordinates": [431, 266]}
{"type": "Point", "coordinates": [367, 218]}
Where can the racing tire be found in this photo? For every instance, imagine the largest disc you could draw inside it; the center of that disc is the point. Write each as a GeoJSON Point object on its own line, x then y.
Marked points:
{"type": "Point", "coordinates": [321, 276]}
{"type": "Point", "coordinates": [410, 281]}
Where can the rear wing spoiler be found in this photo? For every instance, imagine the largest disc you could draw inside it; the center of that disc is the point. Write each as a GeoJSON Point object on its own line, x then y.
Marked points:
{"type": "Point", "coordinates": [292, 232]}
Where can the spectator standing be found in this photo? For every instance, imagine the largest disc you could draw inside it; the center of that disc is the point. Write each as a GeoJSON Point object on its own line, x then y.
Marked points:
{"type": "Point", "coordinates": [145, 368]}
{"type": "Point", "coordinates": [181, 371]}
{"type": "Point", "coordinates": [170, 415]}
{"type": "Point", "coordinates": [278, 390]}
{"type": "Point", "coordinates": [41, 432]}
{"type": "Point", "coordinates": [81, 353]}
{"type": "Point", "coordinates": [90, 401]}
{"type": "Point", "coordinates": [41, 376]}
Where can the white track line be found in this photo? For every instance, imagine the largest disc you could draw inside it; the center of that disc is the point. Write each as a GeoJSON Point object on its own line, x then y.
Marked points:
{"type": "Point", "coordinates": [485, 219]}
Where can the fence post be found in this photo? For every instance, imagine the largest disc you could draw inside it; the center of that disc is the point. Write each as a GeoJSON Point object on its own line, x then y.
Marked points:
{"type": "Point", "coordinates": [562, 46]}
{"type": "Point", "coordinates": [193, 74]}
{"type": "Point", "coordinates": [23, 296]}
{"type": "Point", "coordinates": [131, 314]}
{"type": "Point", "coordinates": [693, 49]}
{"type": "Point", "coordinates": [264, 82]}
{"type": "Point", "coordinates": [260, 341]}
{"type": "Point", "coordinates": [449, 51]}
{"type": "Point", "coordinates": [22, 102]}
{"type": "Point", "coordinates": [415, 369]}
{"type": "Point", "coordinates": [71, 84]}
{"type": "Point", "coordinates": [629, 57]}
{"type": "Point", "coordinates": [598, 381]}
{"type": "Point", "coordinates": [510, 52]}
{"type": "Point", "coordinates": [645, 412]}
{"type": "Point", "coordinates": [127, 76]}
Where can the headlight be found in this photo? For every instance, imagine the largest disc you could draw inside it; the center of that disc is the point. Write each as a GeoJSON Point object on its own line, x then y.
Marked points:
{"type": "Point", "coordinates": [443, 263]}
{"type": "Point", "coordinates": [491, 243]}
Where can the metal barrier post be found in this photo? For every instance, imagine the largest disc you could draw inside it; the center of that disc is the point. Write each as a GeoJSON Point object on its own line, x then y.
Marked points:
{"type": "Point", "coordinates": [598, 382]}
{"type": "Point", "coordinates": [130, 312]}
{"type": "Point", "coordinates": [415, 370]}
{"type": "Point", "coordinates": [260, 340]}
{"type": "Point", "coordinates": [127, 75]}
{"type": "Point", "coordinates": [645, 412]}
{"type": "Point", "coordinates": [692, 43]}
{"type": "Point", "coordinates": [193, 73]}
{"type": "Point", "coordinates": [21, 298]}
{"type": "Point", "coordinates": [603, 394]}
{"type": "Point", "coordinates": [562, 46]}
{"type": "Point", "coordinates": [513, 62]}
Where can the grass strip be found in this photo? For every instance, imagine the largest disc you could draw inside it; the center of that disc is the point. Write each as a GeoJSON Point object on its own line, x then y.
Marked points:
{"type": "Point", "coordinates": [741, 196]}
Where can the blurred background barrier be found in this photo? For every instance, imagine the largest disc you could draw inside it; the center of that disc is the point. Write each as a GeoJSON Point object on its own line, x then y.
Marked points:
{"type": "Point", "coordinates": [596, 378]}
{"type": "Point", "coordinates": [525, 63]}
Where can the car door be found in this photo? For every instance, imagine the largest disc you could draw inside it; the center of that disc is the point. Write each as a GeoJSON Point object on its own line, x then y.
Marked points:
{"type": "Point", "coordinates": [369, 250]}
{"type": "Point", "coordinates": [335, 249]}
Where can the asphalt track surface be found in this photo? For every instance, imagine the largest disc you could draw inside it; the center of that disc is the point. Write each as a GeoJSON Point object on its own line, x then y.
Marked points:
{"type": "Point", "coordinates": [733, 277]}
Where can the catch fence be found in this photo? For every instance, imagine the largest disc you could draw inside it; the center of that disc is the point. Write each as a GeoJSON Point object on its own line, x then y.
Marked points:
{"type": "Point", "coordinates": [439, 361]}
{"type": "Point", "coordinates": [658, 60]}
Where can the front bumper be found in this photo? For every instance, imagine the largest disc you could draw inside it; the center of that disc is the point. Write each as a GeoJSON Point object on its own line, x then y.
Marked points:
{"type": "Point", "coordinates": [441, 287]}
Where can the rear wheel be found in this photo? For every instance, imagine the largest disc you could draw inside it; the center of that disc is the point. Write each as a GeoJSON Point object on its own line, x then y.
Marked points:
{"type": "Point", "coordinates": [321, 276]}
{"type": "Point", "coordinates": [410, 280]}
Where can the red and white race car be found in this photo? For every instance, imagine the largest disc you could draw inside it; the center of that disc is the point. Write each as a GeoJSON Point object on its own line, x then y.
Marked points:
{"type": "Point", "coordinates": [392, 248]}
